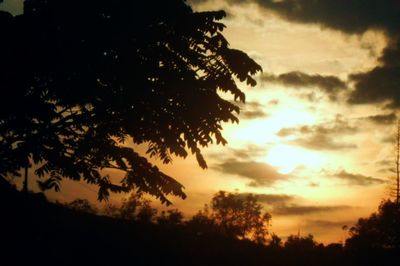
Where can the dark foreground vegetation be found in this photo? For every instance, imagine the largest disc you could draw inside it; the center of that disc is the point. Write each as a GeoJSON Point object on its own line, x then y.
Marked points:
{"type": "Point", "coordinates": [37, 232]}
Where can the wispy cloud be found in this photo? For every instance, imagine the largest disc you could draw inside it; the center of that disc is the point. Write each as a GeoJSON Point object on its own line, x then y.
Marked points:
{"type": "Point", "coordinates": [271, 199]}
{"type": "Point", "coordinates": [383, 119]}
{"type": "Point", "coordinates": [331, 85]}
{"type": "Point", "coordinates": [295, 209]}
{"type": "Point", "coordinates": [357, 179]}
{"type": "Point", "coordinates": [252, 110]}
{"type": "Point", "coordinates": [259, 174]}
{"type": "Point", "coordinates": [322, 136]}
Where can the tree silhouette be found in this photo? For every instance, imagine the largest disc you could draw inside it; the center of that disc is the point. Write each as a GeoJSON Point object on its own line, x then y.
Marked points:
{"type": "Point", "coordinates": [82, 205]}
{"type": "Point", "coordinates": [234, 216]}
{"type": "Point", "coordinates": [379, 230]}
{"type": "Point", "coordinates": [299, 243]}
{"type": "Point", "coordinates": [394, 182]}
{"type": "Point", "coordinates": [83, 80]}
{"type": "Point", "coordinates": [172, 217]}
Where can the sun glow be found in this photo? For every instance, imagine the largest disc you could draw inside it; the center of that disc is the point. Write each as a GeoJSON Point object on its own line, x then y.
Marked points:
{"type": "Point", "coordinates": [287, 158]}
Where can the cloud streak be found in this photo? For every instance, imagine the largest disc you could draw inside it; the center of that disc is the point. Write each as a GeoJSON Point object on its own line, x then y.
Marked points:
{"type": "Point", "coordinates": [321, 137]}
{"type": "Point", "coordinates": [271, 199]}
{"type": "Point", "coordinates": [384, 119]}
{"type": "Point", "coordinates": [259, 174]}
{"type": "Point", "coordinates": [331, 85]}
{"type": "Point", "coordinates": [358, 179]}
{"type": "Point", "coordinates": [252, 110]}
{"type": "Point", "coordinates": [294, 209]}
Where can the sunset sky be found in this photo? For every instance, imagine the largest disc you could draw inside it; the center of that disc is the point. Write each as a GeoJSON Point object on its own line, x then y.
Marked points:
{"type": "Point", "coordinates": [316, 135]}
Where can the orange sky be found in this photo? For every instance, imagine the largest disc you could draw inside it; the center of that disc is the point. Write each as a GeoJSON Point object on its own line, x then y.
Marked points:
{"type": "Point", "coordinates": [316, 161]}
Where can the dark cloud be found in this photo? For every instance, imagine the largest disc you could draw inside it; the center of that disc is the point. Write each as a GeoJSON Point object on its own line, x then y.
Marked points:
{"type": "Point", "coordinates": [379, 85]}
{"type": "Point", "coordinates": [385, 162]}
{"type": "Point", "coordinates": [322, 142]}
{"type": "Point", "coordinates": [389, 139]}
{"type": "Point", "coordinates": [385, 119]}
{"type": "Point", "coordinates": [260, 174]}
{"type": "Point", "coordinates": [349, 16]}
{"type": "Point", "coordinates": [253, 114]}
{"type": "Point", "coordinates": [252, 110]}
{"type": "Point", "coordinates": [281, 205]}
{"type": "Point", "coordinates": [271, 199]}
{"type": "Point", "coordinates": [376, 86]}
{"type": "Point", "coordinates": [295, 209]}
{"type": "Point", "coordinates": [321, 137]}
{"type": "Point", "coordinates": [331, 85]}
{"type": "Point", "coordinates": [358, 179]}
{"type": "Point", "coordinates": [327, 225]}
{"type": "Point", "coordinates": [248, 152]}
{"type": "Point", "coordinates": [355, 17]}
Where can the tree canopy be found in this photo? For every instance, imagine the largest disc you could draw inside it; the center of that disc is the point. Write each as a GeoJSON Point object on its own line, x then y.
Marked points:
{"type": "Point", "coordinates": [80, 79]}
{"type": "Point", "coordinates": [233, 215]}
{"type": "Point", "coordinates": [379, 230]}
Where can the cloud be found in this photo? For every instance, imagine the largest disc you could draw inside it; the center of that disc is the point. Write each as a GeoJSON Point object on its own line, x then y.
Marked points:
{"type": "Point", "coordinates": [376, 86]}
{"type": "Point", "coordinates": [384, 119]}
{"type": "Point", "coordinates": [379, 85]}
{"type": "Point", "coordinates": [271, 199]}
{"type": "Point", "coordinates": [252, 110]}
{"type": "Point", "coordinates": [322, 142]}
{"type": "Point", "coordinates": [253, 114]}
{"type": "Point", "coordinates": [358, 179]}
{"type": "Point", "coordinates": [260, 174]}
{"type": "Point", "coordinates": [321, 137]}
{"type": "Point", "coordinates": [327, 224]}
{"type": "Point", "coordinates": [331, 85]}
{"type": "Point", "coordinates": [350, 16]}
{"type": "Point", "coordinates": [248, 152]}
{"type": "Point", "coordinates": [355, 17]}
{"type": "Point", "coordinates": [294, 209]}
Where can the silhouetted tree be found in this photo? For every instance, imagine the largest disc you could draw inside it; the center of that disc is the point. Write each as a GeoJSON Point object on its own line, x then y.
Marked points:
{"type": "Point", "coordinates": [130, 206]}
{"type": "Point", "coordinates": [170, 218]}
{"type": "Point", "coordinates": [81, 80]}
{"type": "Point", "coordinates": [146, 213]}
{"type": "Point", "coordinates": [379, 230]}
{"type": "Point", "coordinates": [111, 210]}
{"type": "Point", "coordinates": [82, 205]}
{"type": "Point", "coordinates": [203, 223]}
{"type": "Point", "coordinates": [234, 216]}
{"type": "Point", "coordinates": [394, 189]}
{"type": "Point", "coordinates": [275, 242]}
{"type": "Point", "coordinates": [300, 243]}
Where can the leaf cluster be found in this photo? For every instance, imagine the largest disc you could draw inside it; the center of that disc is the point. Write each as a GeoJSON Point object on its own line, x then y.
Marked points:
{"type": "Point", "coordinates": [81, 81]}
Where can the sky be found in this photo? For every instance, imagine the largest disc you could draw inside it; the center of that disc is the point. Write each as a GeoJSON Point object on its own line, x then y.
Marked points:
{"type": "Point", "coordinates": [316, 136]}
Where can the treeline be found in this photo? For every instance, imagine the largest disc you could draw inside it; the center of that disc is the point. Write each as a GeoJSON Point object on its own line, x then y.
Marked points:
{"type": "Point", "coordinates": [37, 232]}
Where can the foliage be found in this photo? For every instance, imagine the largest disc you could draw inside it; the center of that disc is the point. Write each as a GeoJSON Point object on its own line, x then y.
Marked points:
{"type": "Point", "coordinates": [82, 205]}
{"type": "Point", "coordinates": [300, 243]}
{"type": "Point", "coordinates": [172, 217]}
{"type": "Point", "coordinates": [275, 242]}
{"type": "Point", "coordinates": [83, 80]}
{"type": "Point", "coordinates": [130, 206]}
{"type": "Point", "coordinates": [379, 230]}
{"type": "Point", "coordinates": [234, 216]}
{"type": "Point", "coordinates": [146, 213]}
{"type": "Point", "coordinates": [135, 207]}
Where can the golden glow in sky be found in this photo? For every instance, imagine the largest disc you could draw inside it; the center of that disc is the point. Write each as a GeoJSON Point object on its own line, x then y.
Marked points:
{"type": "Point", "coordinates": [299, 142]}
{"type": "Point", "coordinates": [287, 158]}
